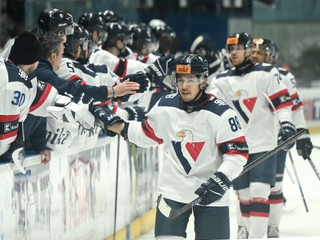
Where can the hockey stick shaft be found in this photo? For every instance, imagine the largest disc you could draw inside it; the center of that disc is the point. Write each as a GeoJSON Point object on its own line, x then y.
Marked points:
{"type": "Point", "coordinates": [116, 190]}
{"type": "Point", "coordinates": [314, 168]}
{"type": "Point", "coordinates": [317, 147]}
{"type": "Point", "coordinates": [173, 213]}
{"type": "Point", "coordinates": [298, 181]}
{"type": "Point", "coordinates": [290, 175]}
{"type": "Point", "coordinates": [272, 152]}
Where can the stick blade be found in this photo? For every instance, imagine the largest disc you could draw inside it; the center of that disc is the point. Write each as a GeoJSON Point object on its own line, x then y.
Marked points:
{"type": "Point", "coordinates": [163, 207]}
{"type": "Point", "coordinates": [18, 159]}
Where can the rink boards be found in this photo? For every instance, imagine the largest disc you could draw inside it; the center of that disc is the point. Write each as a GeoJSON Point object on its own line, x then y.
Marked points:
{"type": "Point", "coordinates": [75, 197]}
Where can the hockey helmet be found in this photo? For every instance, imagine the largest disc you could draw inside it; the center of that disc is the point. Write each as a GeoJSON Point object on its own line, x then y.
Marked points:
{"type": "Point", "coordinates": [91, 21]}
{"type": "Point", "coordinates": [191, 64]}
{"type": "Point", "coordinates": [78, 38]}
{"type": "Point", "coordinates": [239, 39]}
{"type": "Point", "coordinates": [142, 38]}
{"type": "Point", "coordinates": [55, 20]}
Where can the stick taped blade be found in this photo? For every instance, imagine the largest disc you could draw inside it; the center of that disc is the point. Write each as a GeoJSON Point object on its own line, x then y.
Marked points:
{"type": "Point", "coordinates": [18, 159]}
{"type": "Point", "coordinates": [163, 207]}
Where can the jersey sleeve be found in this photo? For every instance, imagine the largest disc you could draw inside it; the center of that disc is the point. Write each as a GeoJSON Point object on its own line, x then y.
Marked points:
{"type": "Point", "coordinates": [146, 133]}
{"type": "Point", "coordinates": [232, 144]}
{"type": "Point", "coordinates": [278, 95]}
{"type": "Point", "coordinates": [12, 111]}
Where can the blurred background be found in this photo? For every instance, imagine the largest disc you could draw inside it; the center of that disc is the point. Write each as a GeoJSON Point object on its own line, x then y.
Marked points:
{"type": "Point", "coordinates": [292, 24]}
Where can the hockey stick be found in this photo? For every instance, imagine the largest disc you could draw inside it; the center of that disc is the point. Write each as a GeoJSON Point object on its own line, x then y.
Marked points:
{"type": "Point", "coordinates": [289, 173]}
{"type": "Point", "coordinates": [173, 213]}
{"type": "Point", "coordinates": [317, 147]}
{"type": "Point", "coordinates": [116, 193]}
{"type": "Point", "coordinates": [314, 168]}
{"type": "Point", "coordinates": [18, 155]}
{"type": "Point", "coordinates": [298, 181]}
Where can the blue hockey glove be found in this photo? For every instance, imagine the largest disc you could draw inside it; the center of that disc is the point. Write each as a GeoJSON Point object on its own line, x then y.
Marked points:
{"type": "Point", "coordinates": [304, 145]}
{"type": "Point", "coordinates": [214, 189]}
{"type": "Point", "coordinates": [287, 130]}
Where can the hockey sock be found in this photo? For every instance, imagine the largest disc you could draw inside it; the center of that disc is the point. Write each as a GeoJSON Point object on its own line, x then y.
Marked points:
{"type": "Point", "coordinates": [276, 205]}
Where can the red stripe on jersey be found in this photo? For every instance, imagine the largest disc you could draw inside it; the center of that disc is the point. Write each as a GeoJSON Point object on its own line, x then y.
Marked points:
{"type": "Point", "coordinates": [279, 94]}
{"type": "Point", "coordinates": [43, 98]}
{"type": "Point", "coordinates": [149, 132]}
{"type": "Point", "coordinates": [103, 103]}
{"type": "Point", "coordinates": [241, 139]}
{"type": "Point", "coordinates": [9, 118]}
{"type": "Point", "coordinates": [295, 108]}
{"type": "Point", "coordinates": [145, 59]}
{"type": "Point", "coordinates": [296, 102]}
{"type": "Point", "coordinates": [78, 79]}
{"type": "Point", "coordinates": [8, 135]}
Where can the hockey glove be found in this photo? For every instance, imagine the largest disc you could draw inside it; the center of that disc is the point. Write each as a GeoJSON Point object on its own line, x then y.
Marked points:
{"type": "Point", "coordinates": [140, 78]}
{"type": "Point", "coordinates": [136, 113]}
{"type": "Point", "coordinates": [287, 130]}
{"type": "Point", "coordinates": [106, 116]}
{"type": "Point", "coordinates": [157, 71]}
{"type": "Point", "coordinates": [214, 189]}
{"type": "Point", "coordinates": [304, 145]}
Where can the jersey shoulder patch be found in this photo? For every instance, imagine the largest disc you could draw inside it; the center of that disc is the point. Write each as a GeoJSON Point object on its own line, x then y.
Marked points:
{"type": "Point", "coordinates": [16, 74]}
{"type": "Point", "coordinates": [170, 100]}
{"type": "Point", "coordinates": [264, 67]}
{"type": "Point", "coordinates": [226, 73]}
{"type": "Point", "coordinates": [216, 105]}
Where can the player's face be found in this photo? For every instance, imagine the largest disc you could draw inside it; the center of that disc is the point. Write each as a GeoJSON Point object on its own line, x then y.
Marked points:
{"type": "Point", "coordinates": [188, 86]}
{"type": "Point", "coordinates": [237, 54]}
{"type": "Point", "coordinates": [258, 55]}
{"type": "Point", "coordinates": [56, 59]}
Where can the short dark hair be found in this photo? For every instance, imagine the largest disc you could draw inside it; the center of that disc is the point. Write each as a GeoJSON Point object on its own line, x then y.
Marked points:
{"type": "Point", "coordinates": [50, 43]}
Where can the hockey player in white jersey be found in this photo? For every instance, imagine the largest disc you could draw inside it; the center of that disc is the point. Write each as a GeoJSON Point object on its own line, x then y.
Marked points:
{"type": "Point", "coordinates": [18, 86]}
{"type": "Point", "coordinates": [143, 43]}
{"type": "Point", "coordinates": [111, 48]}
{"type": "Point", "coordinates": [244, 87]}
{"type": "Point", "coordinates": [197, 130]}
{"type": "Point", "coordinates": [265, 51]}
{"type": "Point", "coordinates": [96, 75]}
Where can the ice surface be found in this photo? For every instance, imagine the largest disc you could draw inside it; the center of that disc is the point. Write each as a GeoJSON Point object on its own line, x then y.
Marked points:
{"type": "Point", "coordinates": [296, 223]}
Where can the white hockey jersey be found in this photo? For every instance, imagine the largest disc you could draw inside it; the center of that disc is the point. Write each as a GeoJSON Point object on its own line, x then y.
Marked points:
{"type": "Point", "coordinates": [120, 66]}
{"type": "Point", "coordinates": [17, 90]}
{"type": "Point", "coordinates": [289, 81]}
{"type": "Point", "coordinates": [198, 141]}
{"type": "Point", "coordinates": [250, 95]}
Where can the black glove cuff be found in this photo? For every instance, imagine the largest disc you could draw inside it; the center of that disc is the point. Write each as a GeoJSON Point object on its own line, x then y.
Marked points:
{"type": "Point", "coordinates": [149, 74]}
{"type": "Point", "coordinates": [301, 129]}
{"type": "Point", "coordinates": [223, 178]}
{"type": "Point", "coordinates": [288, 125]}
{"type": "Point", "coordinates": [124, 132]}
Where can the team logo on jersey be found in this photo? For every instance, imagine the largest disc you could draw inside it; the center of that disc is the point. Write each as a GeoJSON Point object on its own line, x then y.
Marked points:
{"type": "Point", "coordinates": [249, 103]}
{"type": "Point", "coordinates": [186, 149]}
